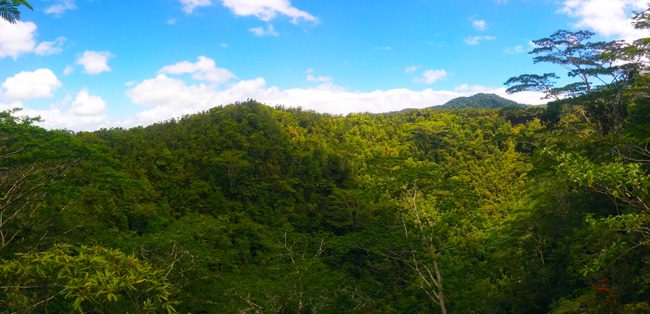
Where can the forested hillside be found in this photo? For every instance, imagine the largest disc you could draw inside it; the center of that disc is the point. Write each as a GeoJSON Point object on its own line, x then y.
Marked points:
{"type": "Point", "coordinates": [247, 208]}
{"type": "Point", "coordinates": [250, 208]}
{"type": "Point", "coordinates": [480, 101]}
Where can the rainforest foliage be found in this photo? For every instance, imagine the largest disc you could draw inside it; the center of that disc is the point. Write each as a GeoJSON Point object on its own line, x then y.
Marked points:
{"type": "Point", "coordinates": [248, 208]}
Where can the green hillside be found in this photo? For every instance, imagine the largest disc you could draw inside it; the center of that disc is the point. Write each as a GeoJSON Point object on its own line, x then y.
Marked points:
{"type": "Point", "coordinates": [250, 208]}
{"type": "Point", "coordinates": [488, 101]}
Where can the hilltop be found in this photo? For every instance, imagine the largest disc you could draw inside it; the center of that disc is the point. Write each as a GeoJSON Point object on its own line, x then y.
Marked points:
{"type": "Point", "coordinates": [490, 101]}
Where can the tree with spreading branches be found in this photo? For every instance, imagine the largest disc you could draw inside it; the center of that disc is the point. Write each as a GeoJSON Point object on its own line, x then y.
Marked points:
{"type": "Point", "coordinates": [600, 74]}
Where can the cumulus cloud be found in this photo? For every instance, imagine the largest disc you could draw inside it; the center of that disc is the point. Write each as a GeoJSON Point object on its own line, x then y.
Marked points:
{"type": "Point", "coordinates": [171, 92]}
{"type": "Point", "coordinates": [85, 112]}
{"type": "Point", "coordinates": [167, 98]}
{"type": "Point", "coordinates": [28, 85]}
{"type": "Point", "coordinates": [60, 7]}
{"type": "Point", "coordinates": [190, 5]}
{"type": "Point", "coordinates": [431, 76]}
{"type": "Point", "coordinates": [16, 39]}
{"type": "Point", "coordinates": [95, 62]}
{"type": "Point", "coordinates": [164, 97]}
{"type": "Point", "coordinates": [86, 104]}
{"type": "Point", "coordinates": [610, 18]}
{"type": "Point", "coordinates": [267, 10]}
{"type": "Point", "coordinates": [260, 31]}
{"type": "Point", "coordinates": [47, 48]}
{"type": "Point", "coordinates": [204, 69]}
{"type": "Point", "coordinates": [475, 40]}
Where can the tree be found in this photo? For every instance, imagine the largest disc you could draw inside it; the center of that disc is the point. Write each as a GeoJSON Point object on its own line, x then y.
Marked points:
{"type": "Point", "coordinates": [599, 77]}
{"type": "Point", "coordinates": [586, 61]}
{"type": "Point", "coordinates": [10, 11]}
{"type": "Point", "coordinates": [68, 278]}
{"type": "Point", "coordinates": [22, 189]}
{"type": "Point", "coordinates": [23, 180]}
{"type": "Point", "coordinates": [426, 265]}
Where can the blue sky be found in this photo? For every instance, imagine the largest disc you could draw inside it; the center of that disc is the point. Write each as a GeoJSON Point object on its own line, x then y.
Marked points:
{"type": "Point", "coordinates": [86, 64]}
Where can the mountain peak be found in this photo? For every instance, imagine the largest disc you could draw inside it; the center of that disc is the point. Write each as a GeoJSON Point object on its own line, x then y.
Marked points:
{"type": "Point", "coordinates": [481, 100]}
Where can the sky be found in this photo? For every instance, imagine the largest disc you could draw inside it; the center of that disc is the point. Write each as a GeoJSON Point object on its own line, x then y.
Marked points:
{"type": "Point", "coordinates": [90, 64]}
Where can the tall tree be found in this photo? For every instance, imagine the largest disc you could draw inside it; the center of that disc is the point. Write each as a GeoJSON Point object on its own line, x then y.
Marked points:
{"type": "Point", "coordinates": [599, 76]}
{"type": "Point", "coordinates": [584, 60]}
{"type": "Point", "coordinates": [426, 263]}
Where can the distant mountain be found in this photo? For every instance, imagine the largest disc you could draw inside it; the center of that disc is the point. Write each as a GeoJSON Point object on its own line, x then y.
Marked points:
{"type": "Point", "coordinates": [489, 101]}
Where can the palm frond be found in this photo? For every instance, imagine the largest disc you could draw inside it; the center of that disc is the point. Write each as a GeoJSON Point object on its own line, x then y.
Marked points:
{"type": "Point", "coordinates": [18, 3]}
{"type": "Point", "coordinates": [9, 12]}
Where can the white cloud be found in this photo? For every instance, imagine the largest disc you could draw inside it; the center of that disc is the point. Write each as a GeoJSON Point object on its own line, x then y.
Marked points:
{"type": "Point", "coordinates": [190, 5]}
{"type": "Point", "coordinates": [168, 98]}
{"type": "Point", "coordinates": [50, 47]}
{"type": "Point", "coordinates": [68, 70]}
{"type": "Point", "coordinates": [528, 98]}
{"type": "Point", "coordinates": [85, 112]}
{"type": "Point", "coordinates": [431, 76]}
{"type": "Point", "coordinates": [324, 80]}
{"type": "Point", "coordinates": [171, 21]}
{"type": "Point", "coordinates": [204, 69]}
{"type": "Point", "coordinates": [610, 18]}
{"type": "Point", "coordinates": [411, 69]}
{"type": "Point", "coordinates": [261, 31]}
{"type": "Point", "coordinates": [16, 39]}
{"type": "Point", "coordinates": [87, 105]}
{"type": "Point", "coordinates": [479, 24]}
{"type": "Point", "coordinates": [61, 119]}
{"type": "Point", "coordinates": [61, 7]}
{"type": "Point", "coordinates": [95, 62]}
{"type": "Point", "coordinates": [163, 97]}
{"type": "Point", "coordinates": [224, 45]}
{"type": "Point", "coordinates": [267, 10]}
{"type": "Point", "coordinates": [473, 41]}
{"type": "Point", "coordinates": [471, 88]}
{"type": "Point", "coordinates": [28, 85]}
{"type": "Point", "coordinates": [172, 98]}
{"type": "Point", "coordinates": [519, 49]}
{"type": "Point", "coordinates": [163, 90]}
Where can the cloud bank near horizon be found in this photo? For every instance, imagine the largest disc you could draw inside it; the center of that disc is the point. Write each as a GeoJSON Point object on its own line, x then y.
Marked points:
{"type": "Point", "coordinates": [171, 94]}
